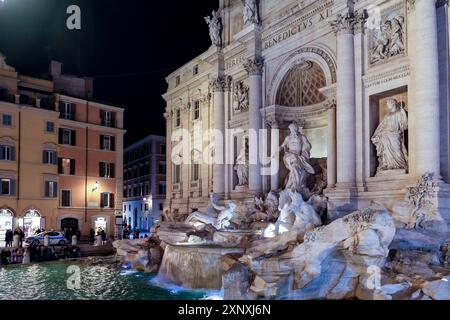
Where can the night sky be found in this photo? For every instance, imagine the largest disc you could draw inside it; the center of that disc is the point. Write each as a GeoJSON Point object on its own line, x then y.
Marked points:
{"type": "Point", "coordinates": [128, 46]}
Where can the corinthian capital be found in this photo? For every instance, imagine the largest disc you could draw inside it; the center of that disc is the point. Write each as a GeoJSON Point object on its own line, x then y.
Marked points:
{"type": "Point", "coordinates": [254, 66]}
{"type": "Point", "coordinates": [360, 21]}
{"type": "Point", "coordinates": [330, 104]}
{"type": "Point", "coordinates": [221, 84]}
{"type": "Point", "coordinates": [344, 24]}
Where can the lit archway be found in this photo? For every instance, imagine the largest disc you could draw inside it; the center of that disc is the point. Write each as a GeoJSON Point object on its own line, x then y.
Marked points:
{"type": "Point", "coordinates": [32, 222]}
{"type": "Point", "coordinates": [6, 222]}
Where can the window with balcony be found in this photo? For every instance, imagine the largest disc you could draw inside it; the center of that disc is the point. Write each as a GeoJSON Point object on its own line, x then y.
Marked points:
{"type": "Point", "coordinates": [178, 118]}
{"type": "Point", "coordinates": [177, 173]}
{"type": "Point", "coordinates": [66, 166]}
{"type": "Point", "coordinates": [107, 143]}
{"type": "Point", "coordinates": [106, 170]}
{"type": "Point", "coordinates": [67, 110]}
{"type": "Point", "coordinates": [162, 167]}
{"type": "Point", "coordinates": [67, 137]}
{"type": "Point", "coordinates": [66, 198]}
{"type": "Point", "coordinates": [49, 157]}
{"type": "Point", "coordinates": [196, 111]}
{"type": "Point", "coordinates": [51, 189]}
{"type": "Point", "coordinates": [7, 153]}
{"type": "Point", "coordinates": [108, 118]}
{"type": "Point", "coordinates": [195, 174]}
{"type": "Point", "coordinates": [107, 200]}
{"type": "Point", "coordinates": [7, 187]}
{"type": "Point", "coordinates": [162, 188]}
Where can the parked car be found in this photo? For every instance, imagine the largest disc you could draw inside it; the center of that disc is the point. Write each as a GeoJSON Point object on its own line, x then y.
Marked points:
{"type": "Point", "coordinates": [55, 238]}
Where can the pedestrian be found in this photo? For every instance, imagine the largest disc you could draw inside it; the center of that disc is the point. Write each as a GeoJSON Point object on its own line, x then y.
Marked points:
{"type": "Point", "coordinates": [19, 233]}
{"type": "Point", "coordinates": [78, 235]}
{"type": "Point", "coordinates": [9, 238]}
{"type": "Point", "coordinates": [3, 258]}
{"type": "Point", "coordinates": [92, 236]}
{"type": "Point", "coordinates": [14, 256]}
{"type": "Point", "coordinates": [103, 235]}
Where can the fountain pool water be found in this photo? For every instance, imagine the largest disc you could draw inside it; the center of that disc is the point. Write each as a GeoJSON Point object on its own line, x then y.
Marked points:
{"type": "Point", "coordinates": [48, 281]}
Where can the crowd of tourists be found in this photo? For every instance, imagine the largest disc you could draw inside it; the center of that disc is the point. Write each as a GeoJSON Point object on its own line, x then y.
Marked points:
{"type": "Point", "coordinates": [37, 253]}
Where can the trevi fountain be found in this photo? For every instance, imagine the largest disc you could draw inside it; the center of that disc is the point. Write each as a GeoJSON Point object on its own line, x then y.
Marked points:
{"type": "Point", "coordinates": [352, 100]}
{"type": "Point", "coordinates": [283, 246]}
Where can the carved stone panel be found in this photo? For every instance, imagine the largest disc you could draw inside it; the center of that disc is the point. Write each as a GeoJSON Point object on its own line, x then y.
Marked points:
{"type": "Point", "coordinates": [387, 35]}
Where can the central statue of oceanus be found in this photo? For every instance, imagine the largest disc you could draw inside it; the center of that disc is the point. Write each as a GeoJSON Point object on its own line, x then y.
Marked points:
{"type": "Point", "coordinates": [297, 152]}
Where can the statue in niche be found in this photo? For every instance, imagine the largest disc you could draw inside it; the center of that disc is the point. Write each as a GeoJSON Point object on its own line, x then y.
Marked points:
{"type": "Point", "coordinates": [297, 152]}
{"type": "Point", "coordinates": [389, 138]}
{"type": "Point", "coordinates": [390, 40]}
{"type": "Point", "coordinates": [3, 64]}
{"type": "Point", "coordinates": [241, 96]}
{"type": "Point", "coordinates": [241, 166]}
{"type": "Point", "coordinates": [215, 28]}
{"type": "Point", "coordinates": [251, 11]}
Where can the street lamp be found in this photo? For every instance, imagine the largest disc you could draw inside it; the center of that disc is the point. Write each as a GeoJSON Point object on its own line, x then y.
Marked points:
{"type": "Point", "coordinates": [95, 186]}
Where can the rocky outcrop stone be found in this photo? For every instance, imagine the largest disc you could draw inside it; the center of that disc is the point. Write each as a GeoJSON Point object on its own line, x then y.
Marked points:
{"type": "Point", "coordinates": [236, 282]}
{"type": "Point", "coordinates": [439, 289]}
{"type": "Point", "coordinates": [142, 254]}
{"type": "Point", "coordinates": [195, 266]}
{"type": "Point", "coordinates": [365, 235]}
{"type": "Point", "coordinates": [392, 291]}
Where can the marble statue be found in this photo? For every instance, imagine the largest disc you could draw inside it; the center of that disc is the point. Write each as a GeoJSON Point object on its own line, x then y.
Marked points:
{"type": "Point", "coordinates": [241, 166]}
{"type": "Point", "coordinates": [297, 150]}
{"type": "Point", "coordinates": [390, 40]}
{"type": "Point", "coordinates": [3, 64]}
{"type": "Point", "coordinates": [266, 210]}
{"type": "Point", "coordinates": [215, 28]}
{"type": "Point", "coordinates": [217, 216]}
{"type": "Point", "coordinates": [223, 221]}
{"type": "Point", "coordinates": [389, 138]}
{"type": "Point", "coordinates": [251, 11]}
{"type": "Point", "coordinates": [241, 96]}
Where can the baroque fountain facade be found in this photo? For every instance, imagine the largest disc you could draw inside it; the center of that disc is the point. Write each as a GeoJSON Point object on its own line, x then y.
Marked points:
{"type": "Point", "coordinates": [309, 154]}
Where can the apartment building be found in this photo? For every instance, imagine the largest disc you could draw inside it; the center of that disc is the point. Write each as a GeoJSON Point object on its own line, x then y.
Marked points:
{"type": "Point", "coordinates": [60, 155]}
{"type": "Point", "coordinates": [144, 188]}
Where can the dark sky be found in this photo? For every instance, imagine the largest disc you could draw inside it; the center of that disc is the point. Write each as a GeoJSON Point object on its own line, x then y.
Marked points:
{"type": "Point", "coordinates": [128, 46]}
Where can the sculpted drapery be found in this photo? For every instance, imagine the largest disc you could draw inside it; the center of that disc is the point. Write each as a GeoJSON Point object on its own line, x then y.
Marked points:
{"type": "Point", "coordinates": [297, 150]}
{"type": "Point", "coordinates": [389, 139]}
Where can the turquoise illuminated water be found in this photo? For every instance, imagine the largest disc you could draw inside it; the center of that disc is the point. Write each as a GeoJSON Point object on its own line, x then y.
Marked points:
{"type": "Point", "coordinates": [48, 281]}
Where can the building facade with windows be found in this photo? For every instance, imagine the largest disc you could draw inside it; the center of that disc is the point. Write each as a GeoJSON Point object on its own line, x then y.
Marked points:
{"type": "Point", "coordinates": [60, 157]}
{"type": "Point", "coordinates": [338, 69]}
{"type": "Point", "coordinates": [144, 188]}
{"type": "Point", "coordinates": [90, 139]}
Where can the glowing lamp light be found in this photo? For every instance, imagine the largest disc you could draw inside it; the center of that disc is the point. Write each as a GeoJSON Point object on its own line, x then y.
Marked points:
{"type": "Point", "coordinates": [95, 186]}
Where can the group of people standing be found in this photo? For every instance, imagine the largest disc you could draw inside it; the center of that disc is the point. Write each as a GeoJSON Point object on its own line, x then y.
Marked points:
{"type": "Point", "coordinates": [9, 236]}
{"type": "Point", "coordinates": [94, 235]}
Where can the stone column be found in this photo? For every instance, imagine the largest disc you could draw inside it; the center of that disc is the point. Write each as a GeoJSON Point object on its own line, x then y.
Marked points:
{"type": "Point", "coordinates": [254, 67]}
{"type": "Point", "coordinates": [426, 66]}
{"type": "Point", "coordinates": [275, 155]}
{"type": "Point", "coordinates": [331, 144]}
{"type": "Point", "coordinates": [219, 85]}
{"type": "Point", "coordinates": [346, 101]}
